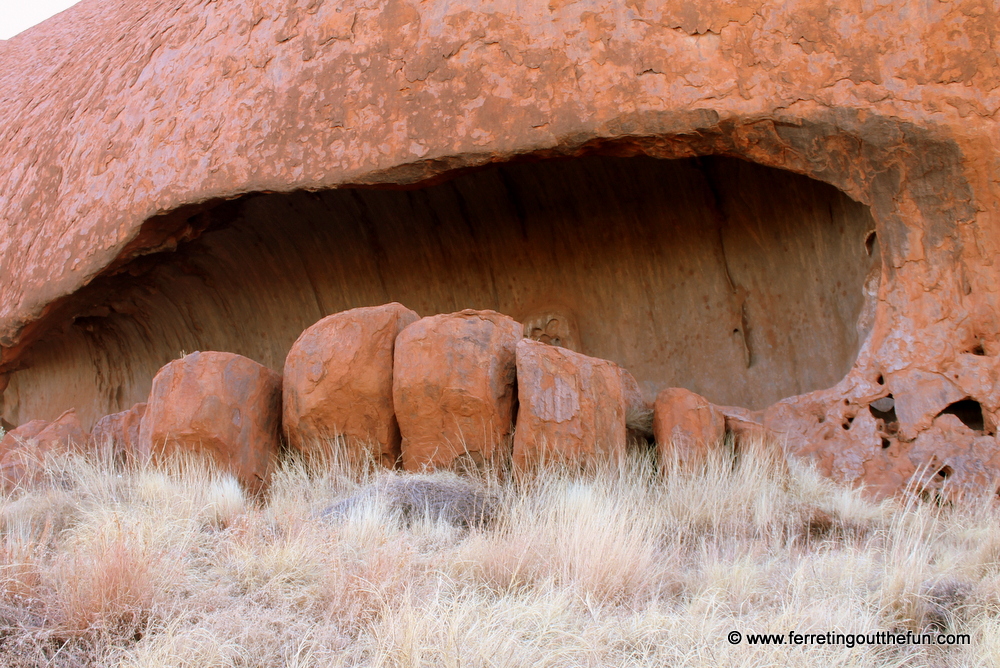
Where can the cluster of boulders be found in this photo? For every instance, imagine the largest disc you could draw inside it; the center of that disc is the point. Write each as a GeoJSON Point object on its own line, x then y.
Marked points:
{"type": "Point", "coordinates": [448, 391]}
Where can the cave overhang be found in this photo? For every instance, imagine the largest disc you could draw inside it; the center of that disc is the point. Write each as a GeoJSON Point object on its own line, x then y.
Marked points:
{"type": "Point", "coordinates": [124, 162]}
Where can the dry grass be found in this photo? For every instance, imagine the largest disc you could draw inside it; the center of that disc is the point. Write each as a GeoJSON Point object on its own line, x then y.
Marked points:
{"type": "Point", "coordinates": [619, 567]}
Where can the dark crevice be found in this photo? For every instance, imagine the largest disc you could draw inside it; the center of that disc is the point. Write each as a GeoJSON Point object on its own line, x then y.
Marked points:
{"type": "Point", "coordinates": [934, 497]}
{"type": "Point", "coordinates": [718, 208]}
{"type": "Point", "coordinates": [969, 411]}
{"type": "Point", "coordinates": [870, 242]}
{"type": "Point", "coordinates": [886, 422]}
{"type": "Point", "coordinates": [884, 409]}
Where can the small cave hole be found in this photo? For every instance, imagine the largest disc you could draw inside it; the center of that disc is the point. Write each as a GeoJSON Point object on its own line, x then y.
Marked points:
{"type": "Point", "coordinates": [886, 443]}
{"type": "Point", "coordinates": [870, 242]}
{"type": "Point", "coordinates": [969, 411]}
{"type": "Point", "coordinates": [884, 409]}
{"type": "Point", "coordinates": [847, 423]}
{"type": "Point", "coordinates": [880, 380]}
{"type": "Point", "coordinates": [978, 350]}
{"type": "Point", "coordinates": [945, 472]}
{"type": "Point", "coordinates": [935, 497]}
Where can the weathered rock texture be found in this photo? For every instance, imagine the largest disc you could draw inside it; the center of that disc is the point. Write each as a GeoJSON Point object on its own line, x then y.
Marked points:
{"type": "Point", "coordinates": [571, 407]}
{"type": "Point", "coordinates": [686, 425]}
{"type": "Point", "coordinates": [338, 382]}
{"type": "Point", "coordinates": [18, 437]}
{"type": "Point", "coordinates": [119, 432]}
{"type": "Point", "coordinates": [23, 450]}
{"type": "Point", "coordinates": [453, 389]}
{"type": "Point", "coordinates": [221, 405]}
{"type": "Point", "coordinates": [121, 242]}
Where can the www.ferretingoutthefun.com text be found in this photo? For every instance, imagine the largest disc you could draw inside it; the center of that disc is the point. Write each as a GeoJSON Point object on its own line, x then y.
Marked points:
{"type": "Point", "coordinates": [850, 639]}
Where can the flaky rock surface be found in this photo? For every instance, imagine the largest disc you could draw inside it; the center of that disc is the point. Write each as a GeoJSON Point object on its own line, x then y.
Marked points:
{"type": "Point", "coordinates": [338, 382]}
{"type": "Point", "coordinates": [454, 389]}
{"type": "Point", "coordinates": [135, 220]}
{"type": "Point", "coordinates": [571, 407]}
{"type": "Point", "coordinates": [217, 404]}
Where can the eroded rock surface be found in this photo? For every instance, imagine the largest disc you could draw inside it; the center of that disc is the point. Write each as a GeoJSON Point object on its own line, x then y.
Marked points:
{"type": "Point", "coordinates": [23, 450]}
{"type": "Point", "coordinates": [454, 389]}
{"type": "Point", "coordinates": [217, 404]}
{"type": "Point", "coordinates": [338, 382]}
{"type": "Point", "coordinates": [119, 433]}
{"type": "Point", "coordinates": [686, 425]}
{"type": "Point", "coordinates": [571, 408]}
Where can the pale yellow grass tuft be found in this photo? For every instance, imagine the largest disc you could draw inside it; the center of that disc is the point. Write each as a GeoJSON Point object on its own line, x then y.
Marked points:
{"type": "Point", "coordinates": [619, 565]}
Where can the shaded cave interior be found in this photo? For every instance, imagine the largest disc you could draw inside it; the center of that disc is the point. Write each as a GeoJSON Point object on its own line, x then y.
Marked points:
{"type": "Point", "coordinates": [744, 283]}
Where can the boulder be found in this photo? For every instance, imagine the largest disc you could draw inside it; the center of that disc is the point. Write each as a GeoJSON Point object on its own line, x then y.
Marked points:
{"type": "Point", "coordinates": [63, 433]}
{"type": "Point", "coordinates": [685, 425]}
{"type": "Point", "coordinates": [453, 388]}
{"type": "Point", "coordinates": [223, 405]}
{"type": "Point", "coordinates": [18, 436]}
{"type": "Point", "coordinates": [441, 497]}
{"type": "Point", "coordinates": [746, 426]}
{"type": "Point", "coordinates": [119, 432]}
{"type": "Point", "coordinates": [572, 407]}
{"type": "Point", "coordinates": [23, 450]}
{"type": "Point", "coordinates": [338, 382]}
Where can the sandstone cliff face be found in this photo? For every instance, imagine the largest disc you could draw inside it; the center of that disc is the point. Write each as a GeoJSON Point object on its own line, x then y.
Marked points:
{"type": "Point", "coordinates": [136, 222]}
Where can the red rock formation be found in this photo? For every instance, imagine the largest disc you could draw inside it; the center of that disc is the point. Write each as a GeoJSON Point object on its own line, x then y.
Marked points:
{"type": "Point", "coordinates": [685, 425]}
{"type": "Point", "coordinates": [18, 437]}
{"type": "Point", "coordinates": [222, 405]}
{"type": "Point", "coordinates": [571, 407]}
{"type": "Point", "coordinates": [453, 388]}
{"type": "Point", "coordinates": [122, 242]}
{"type": "Point", "coordinates": [23, 450]}
{"type": "Point", "coordinates": [338, 381]}
{"type": "Point", "coordinates": [119, 432]}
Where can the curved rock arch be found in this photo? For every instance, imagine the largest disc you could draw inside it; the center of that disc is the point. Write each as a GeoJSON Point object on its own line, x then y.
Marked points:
{"type": "Point", "coordinates": [113, 196]}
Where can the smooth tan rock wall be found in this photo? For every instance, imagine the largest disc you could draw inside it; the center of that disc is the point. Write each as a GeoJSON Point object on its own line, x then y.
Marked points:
{"type": "Point", "coordinates": [687, 273]}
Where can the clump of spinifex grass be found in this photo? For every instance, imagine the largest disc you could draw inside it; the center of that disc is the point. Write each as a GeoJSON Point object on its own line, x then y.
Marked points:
{"type": "Point", "coordinates": [616, 566]}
